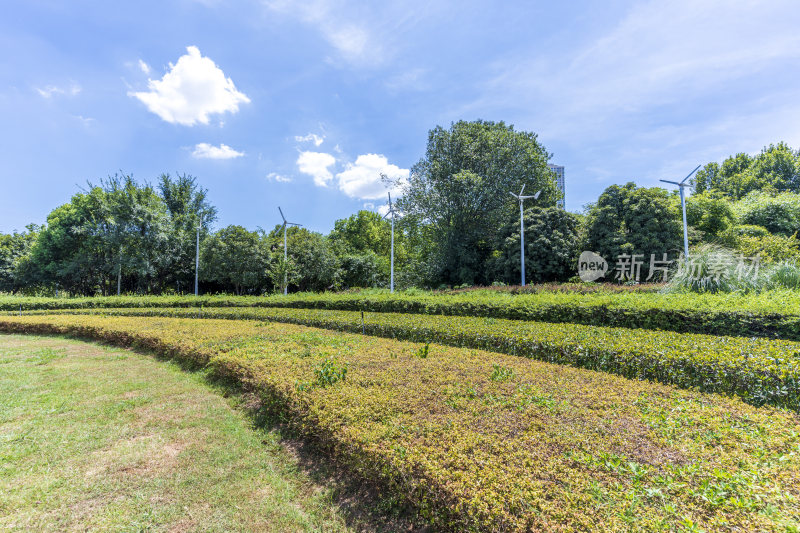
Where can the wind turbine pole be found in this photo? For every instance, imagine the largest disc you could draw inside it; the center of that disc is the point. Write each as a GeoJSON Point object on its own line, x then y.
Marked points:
{"type": "Point", "coordinates": [391, 277]}
{"type": "Point", "coordinates": [197, 260]}
{"type": "Point", "coordinates": [522, 239]}
{"type": "Point", "coordinates": [285, 255]}
{"type": "Point", "coordinates": [285, 263]}
{"type": "Point", "coordinates": [681, 185]}
{"type": "Point", "coordinates": [685, 230]}
{"type": "Point", "coordinates": [522, 229]}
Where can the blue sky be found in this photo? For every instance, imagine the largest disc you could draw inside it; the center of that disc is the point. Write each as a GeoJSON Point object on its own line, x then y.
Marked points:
{"type": "Point", "coordinates": [303, 104]}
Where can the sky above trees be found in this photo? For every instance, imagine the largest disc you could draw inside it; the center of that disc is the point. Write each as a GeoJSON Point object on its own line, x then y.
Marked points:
{"type": "Point", "coordinates": [305, 104]}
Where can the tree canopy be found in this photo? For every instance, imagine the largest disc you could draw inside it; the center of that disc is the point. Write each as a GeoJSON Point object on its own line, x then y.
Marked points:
{"type": "Point", "coordinates": [461, 189]}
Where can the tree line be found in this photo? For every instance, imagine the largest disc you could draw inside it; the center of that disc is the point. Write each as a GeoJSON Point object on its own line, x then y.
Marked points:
{"type": "Point", "coordinates": [460, 226]}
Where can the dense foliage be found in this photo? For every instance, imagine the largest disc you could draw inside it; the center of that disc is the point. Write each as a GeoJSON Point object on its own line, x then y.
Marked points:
{"type": "Point", "coordinates": [628, 220]}
{"type": "Point", "coordinates": [461, 189]}
{"type": "Point", "coordinates": [552, 240]}
{"type": "Point", "coordinates": [775, 169]}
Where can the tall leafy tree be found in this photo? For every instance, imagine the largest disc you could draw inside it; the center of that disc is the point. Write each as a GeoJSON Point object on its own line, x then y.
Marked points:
{"type": "Point", "coordinates": [313, 263]}
{"type": "Point", "coordinates": [236, 259]}
{"type": "Point", "coordinates": [363, 244]}
{"type": "Point", "coordinates": [14, 250]}
{"type": "Point", "coordinates": [461, 187]}
{"type": "Point", "coordinates": [552, 240]}
{"type": "Point", "coordinates": [629, 220]}
{"type": "Point", "coordinates": [775, 169]}
{"type": "Point", "coordinates": [187, 206]}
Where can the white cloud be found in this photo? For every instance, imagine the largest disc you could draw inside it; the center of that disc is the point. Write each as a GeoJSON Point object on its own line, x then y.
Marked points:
{"type": "Point", "coordinates": [52, 90]}
{"type": "Point", "coordinates": [312, 137]}
{"type": "Point", "coordinates": [273, 176]}
{"type": "Point", "coordinates": [362, 179]}
{"type": "Point", "coordinates": [345, 29]}
{"type": "Point", "coordinates": [145, 67]}
{"type": "Point", "coordinates": [193, 89]}
{"type": "Point", "coordinates": [316, 164]}
{"type": "Point", "coordinates": [207, 151]}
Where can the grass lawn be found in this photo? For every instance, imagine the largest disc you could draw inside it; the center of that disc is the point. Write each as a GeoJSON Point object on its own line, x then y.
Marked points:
{"type": "Point", "coordinates": [101, 438]}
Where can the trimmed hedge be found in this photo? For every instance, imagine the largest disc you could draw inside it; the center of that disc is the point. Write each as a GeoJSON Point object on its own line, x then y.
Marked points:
{"type": "Point", "coordinates": [478, 441]}
{"type": "Point", "coordinates": [760, 371]}
{"type": "Point", "coordinates": [773, 314]}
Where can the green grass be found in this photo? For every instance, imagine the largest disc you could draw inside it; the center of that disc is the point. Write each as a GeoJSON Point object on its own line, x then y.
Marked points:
{"type": "Point", "coordinates": [100, 438]}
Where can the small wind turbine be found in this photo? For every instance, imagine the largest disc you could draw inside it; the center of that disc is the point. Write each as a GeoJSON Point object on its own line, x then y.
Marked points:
{"type": "Point", "coordinates": [393, 213]}
{"type": "Point", "coordinates": [681, 185]}
{"type": "Point", "coordinates": [522, 227]}
{"type": "Point", "coordinates": [197, 257]}
{"type": "Point", "coordinates": [285, 256]}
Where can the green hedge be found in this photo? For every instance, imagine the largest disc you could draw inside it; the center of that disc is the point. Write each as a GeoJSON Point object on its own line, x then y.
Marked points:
{"type": "Point", "coordinates": [774, 314]}
{"type": "Point", "coordinates": [758, 370]}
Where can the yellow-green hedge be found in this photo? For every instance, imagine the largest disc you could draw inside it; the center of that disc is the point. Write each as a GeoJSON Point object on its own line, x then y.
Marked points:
{"type": "Point", "coordinates": [479, 441]}
{"type": "Point", "coordinates": [772, 314]}
{"type": "Point", "coordinates": [758, 370]}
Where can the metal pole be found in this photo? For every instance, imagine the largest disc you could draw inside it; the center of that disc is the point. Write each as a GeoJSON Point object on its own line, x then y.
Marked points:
{"type": "Point", "coordinates": [197, 261]}
{"type": "Point", "coordinates": [522, 241]}
{"type": "Point", "coordinates": [685, 230]}
{"type": "Point", "coordinates": [391, 279]}
{"type": "Point", "coordinates": [119, 272]}
{"type": "Point", "coordinates": [285, 263]}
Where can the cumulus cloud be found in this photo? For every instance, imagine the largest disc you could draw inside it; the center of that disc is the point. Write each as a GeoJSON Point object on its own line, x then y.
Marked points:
{"type": "Point", "coordinates": [207, 151]}
{"type": "Point", "coordinates": [274, 176]}
{"type": "Point", "coordinates": [311, 137]}
{"type": "Point", "coordinates": [194, 88]}
{"type": "Point", "coordinates": [362, 179]}
{"type": "Point", "coordinates": [52, 90]}
{"type": "Point", "coordinates": [316, 164]}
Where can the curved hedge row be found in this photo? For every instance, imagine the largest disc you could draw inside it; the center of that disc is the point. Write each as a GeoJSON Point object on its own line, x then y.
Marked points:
{"type": "Point", "coordinates": [759, 371]}
{"type": "Point", "coordinates": [770, 315]}
{"type": "Point", "coordinates": [479, 441]}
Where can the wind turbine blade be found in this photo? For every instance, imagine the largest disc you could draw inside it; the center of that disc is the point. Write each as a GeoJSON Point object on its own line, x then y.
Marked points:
{"type": "Point", "coordinates": [283, 217]}
{"type": "Point", "coordinates": [672, 182]}
{"type": "Point", "coordinates": [522, 189]}
{"type": "Point", "coordinates": [535, 196]}
{"type": "Point", "coordinates": [690, 173]}
{"type": "Point", "coordinates": [390, 198]}
{"type": "Point", "coordinates": [514, 195]}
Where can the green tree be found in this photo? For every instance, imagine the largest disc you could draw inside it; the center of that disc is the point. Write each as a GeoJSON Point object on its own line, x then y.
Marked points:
{"type": "Point", "coordinates": [775, 169]}
{"type": "Point", "coordinates": [709, 214]}
{"type": "Point", "coordinates": [14, 249]}
{"type": "Point", "coordinates": [552, 239]}
{"type": "Point", "coordinates": [236, 259]}
{"type": "Point", "coordinates": [312, 259]}
{"type": "Point", "coordinates": [461, 187]}
{"type": "Point", "coordinates": [187, 206]}
{"type": "Point", "coordinates": [363, 244]}
{"type": "Point", "coordinates": [634, 220]}
{"type": "Point", "coordinates": [779, 213]}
